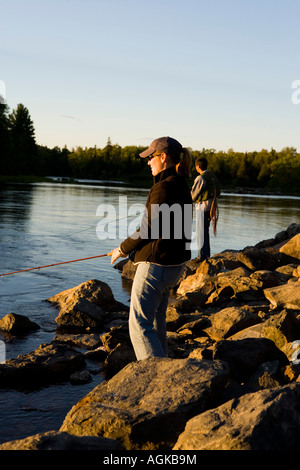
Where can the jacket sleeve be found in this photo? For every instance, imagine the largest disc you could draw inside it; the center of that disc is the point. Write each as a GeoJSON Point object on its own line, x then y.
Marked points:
{"type": "Point", "coordinates": [198, 188]}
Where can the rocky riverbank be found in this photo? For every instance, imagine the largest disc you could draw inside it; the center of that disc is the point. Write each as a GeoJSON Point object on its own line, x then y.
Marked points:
{"type": "Point", "coordinates": [232, 376]}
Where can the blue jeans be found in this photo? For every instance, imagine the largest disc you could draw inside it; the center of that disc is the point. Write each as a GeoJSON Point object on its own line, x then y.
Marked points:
{"type": "Point", "coordinates": [149, 301]}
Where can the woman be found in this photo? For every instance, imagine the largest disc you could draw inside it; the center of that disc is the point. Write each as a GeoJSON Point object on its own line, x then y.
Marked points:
{"type": "Point", "coordinates": [160, 246]}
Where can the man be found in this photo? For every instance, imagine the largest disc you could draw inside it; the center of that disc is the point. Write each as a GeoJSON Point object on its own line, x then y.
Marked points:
{"type": "Point", "coordinates": [160, 254]}
{"type": "Point", "coordinates": [204, 193]}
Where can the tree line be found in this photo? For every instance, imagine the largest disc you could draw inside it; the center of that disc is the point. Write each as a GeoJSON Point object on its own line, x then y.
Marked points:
{"type": "Point", "coordinates": [277, 171]}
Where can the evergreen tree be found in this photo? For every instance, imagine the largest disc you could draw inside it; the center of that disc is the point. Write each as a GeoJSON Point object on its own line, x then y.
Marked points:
{"type": "Point", "coordinates": [23, 141]}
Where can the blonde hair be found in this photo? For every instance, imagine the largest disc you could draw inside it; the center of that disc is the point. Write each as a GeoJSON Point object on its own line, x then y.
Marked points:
{"type": "Point", "coordinates": [183, 167]}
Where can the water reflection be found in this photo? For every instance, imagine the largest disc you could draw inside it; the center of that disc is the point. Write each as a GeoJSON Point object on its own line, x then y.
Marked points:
{"type": "Point", "coordinates": [15, 204]}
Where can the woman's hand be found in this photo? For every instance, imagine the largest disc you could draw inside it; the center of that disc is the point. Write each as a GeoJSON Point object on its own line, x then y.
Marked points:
{"type": "Point", "coordinates": [117, 253]}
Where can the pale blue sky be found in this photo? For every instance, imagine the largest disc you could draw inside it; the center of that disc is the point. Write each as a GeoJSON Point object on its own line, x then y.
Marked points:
{"type": "Point", "coordinates": [211, 73]}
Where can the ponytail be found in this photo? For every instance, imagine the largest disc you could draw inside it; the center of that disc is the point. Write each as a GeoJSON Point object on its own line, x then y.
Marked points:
{"type": "Point", "coordinates": [185, 164]}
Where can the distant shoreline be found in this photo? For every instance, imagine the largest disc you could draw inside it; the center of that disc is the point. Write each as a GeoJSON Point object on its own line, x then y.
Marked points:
{"type": "Point", "coordinates": [30, 179]}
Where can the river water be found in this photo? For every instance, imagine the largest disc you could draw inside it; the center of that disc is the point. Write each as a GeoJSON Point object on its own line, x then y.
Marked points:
{"type": "Point", "coordinates": [46, 223]}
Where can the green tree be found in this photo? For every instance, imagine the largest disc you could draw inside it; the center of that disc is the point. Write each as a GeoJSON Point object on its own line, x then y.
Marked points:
{"type": "Point", "coordinates": [23, 141]}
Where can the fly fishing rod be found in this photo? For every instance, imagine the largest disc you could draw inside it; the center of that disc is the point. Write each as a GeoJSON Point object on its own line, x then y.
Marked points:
{"type": "Point", "coordinates": [55, 264]}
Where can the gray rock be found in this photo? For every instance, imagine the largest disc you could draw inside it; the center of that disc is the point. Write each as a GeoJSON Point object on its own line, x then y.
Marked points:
{"type": "Point", "coordinates": [147, 404]}
{"type": "Point", "coordinates": [80, 377]}
{"type": "Point", "coordinates": [292, 248]}
{"type": "Point", "coordinates": [17, 324]}
{"type": "Point", "coordinates": [53, 440]}
{"type": "Point", "coordinates": [257, 259]}
{"type": "Point", "coordinates": [229, 321]}
{"type": "Point", "coordinates": [285, 296]}
{"type": "Point", "coordinates": [86, 305]}
{"type": "Point", "coordinates": [86, 341]}
{"type": "Point", "coordinates": [265, 420]}
{"type": "Point", "coordinates": [245, 355]}
{"type": "Point", "coordinates": [47, 364]}
{"type": "Point", "coordinates": [281, 328]}
{"type": "Point", "coordinates": [117, 344]}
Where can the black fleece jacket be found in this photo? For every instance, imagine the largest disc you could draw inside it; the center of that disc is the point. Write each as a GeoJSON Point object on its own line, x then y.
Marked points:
{"type": "Point", "coordinates": [165, 232]}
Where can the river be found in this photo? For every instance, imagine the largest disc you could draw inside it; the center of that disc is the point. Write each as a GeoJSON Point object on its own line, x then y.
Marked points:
{"type": "Point", "coordinates": [47, 223]}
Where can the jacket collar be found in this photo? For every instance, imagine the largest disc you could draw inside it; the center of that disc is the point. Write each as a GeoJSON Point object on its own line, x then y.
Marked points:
{"type": "Point", "coordinates": [165, 174]}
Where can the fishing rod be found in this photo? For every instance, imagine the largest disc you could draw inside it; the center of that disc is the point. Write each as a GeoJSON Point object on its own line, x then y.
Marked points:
{"type": "Point", "coordinates": [56, 264]}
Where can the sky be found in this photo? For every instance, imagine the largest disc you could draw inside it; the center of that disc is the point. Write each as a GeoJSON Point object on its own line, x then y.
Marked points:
{"type": "Point", "coordinates": [210, 73]}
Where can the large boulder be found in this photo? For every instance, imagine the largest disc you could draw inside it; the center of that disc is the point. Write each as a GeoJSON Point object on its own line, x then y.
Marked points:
{"type": "Point", "coordinates": [146, 405]}
{"type": "Point", "coordinates": [53, 440]}
{"type": "Point", "coordinates": [285, 273]}
{"type": "Point", "coordinates": [285, 296]}
{"type": "Point", "coordinates": [49, 363]}
{"type": "Point", "coordinates": [190, 301]}
{"type": "Point", "coordinates": [245, 355]}
{"type": "Point", "coordinates": [282, 328]}
{"type": "Point", "coordinates": [218, 290]}
{"type": "Point", "coordinates": [268, 278]}
{"type": "Point", "coordinates": [265, 420]}
{"type": "Point", "coordinates": [290, 232]}
{"type": "Point", "coordinates": [256, 259]}
{"type": "Point", "coordinates": [292, 247]}
{"type": "Point", "coordinates": [220, 263]}
{"type": "Point", "coordinates": [229, 321]}
{"type": "Point", "coordinates": [86, 305]}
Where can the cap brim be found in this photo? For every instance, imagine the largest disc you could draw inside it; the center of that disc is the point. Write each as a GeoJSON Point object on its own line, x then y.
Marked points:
{"type": "Point", "coordinates": [146, 153]}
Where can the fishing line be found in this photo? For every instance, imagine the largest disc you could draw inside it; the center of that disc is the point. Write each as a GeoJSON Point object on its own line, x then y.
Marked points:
{"type": "Point", "coordinates": [68, 234]}
{"type": "Point", "coordinates": [93, 226]}
{"type": "Point", "coordinates": [71, 261]}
